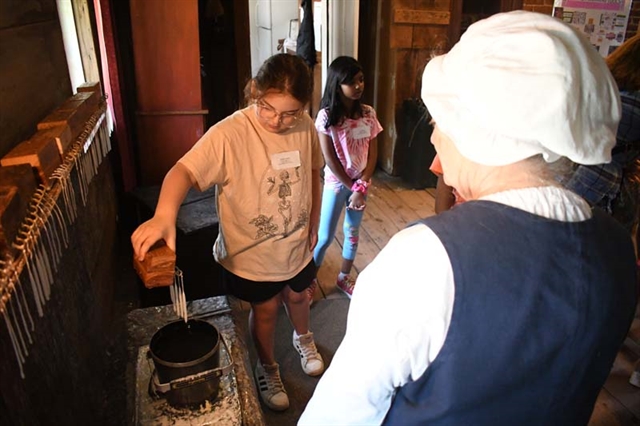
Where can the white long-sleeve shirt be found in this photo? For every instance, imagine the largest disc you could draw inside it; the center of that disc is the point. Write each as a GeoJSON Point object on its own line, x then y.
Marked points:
{"type": "Point", "coordinates": [400, 310]}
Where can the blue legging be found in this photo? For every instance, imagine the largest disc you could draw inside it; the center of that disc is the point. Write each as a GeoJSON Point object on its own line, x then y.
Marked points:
{"type": "Point", "coordinates": [332, 204]}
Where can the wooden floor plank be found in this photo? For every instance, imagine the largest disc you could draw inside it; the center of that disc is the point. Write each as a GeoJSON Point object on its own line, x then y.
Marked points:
{"type": "Point", "coordinates": [379, 221]}
{"type": "Point", "coordinates": [634, 331]}
{"type": "Point", "coordinates": [420, 201]}
{"type": "Point", "coordinates": [609, 412]}
{"type": "Point", "coordinates": [367, 251]}
{"type": "Point", "coordinates": [402, 206]}
{"type": "Point", "coordinates": [329, 270]}
{"type": "Point", "coordinates": [397, 209]}
{"type": "Point", "coordinates": [618, 385]}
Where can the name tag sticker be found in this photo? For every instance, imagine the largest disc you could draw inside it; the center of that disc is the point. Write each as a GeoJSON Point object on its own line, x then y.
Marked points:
{"type": "Point", "coordinates": [361, 132]}
{"type": "Point", "coordinates": [285, 160]}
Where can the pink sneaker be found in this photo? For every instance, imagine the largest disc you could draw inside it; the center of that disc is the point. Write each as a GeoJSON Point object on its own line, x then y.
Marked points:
{"type": "Point", "coordinates": [311, 290]}
{"type": "Point", "coordinates": [346, 284]}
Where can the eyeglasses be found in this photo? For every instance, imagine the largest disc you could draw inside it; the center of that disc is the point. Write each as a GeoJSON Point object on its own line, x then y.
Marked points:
{"type": "Point", "coordinates": [287, 119]}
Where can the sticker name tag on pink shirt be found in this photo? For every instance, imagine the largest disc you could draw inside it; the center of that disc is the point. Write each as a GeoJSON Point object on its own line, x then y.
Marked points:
{"type": "Point", "coordinates": [285, 160]}
{"type": "Point", "coordinates": [361, 132]}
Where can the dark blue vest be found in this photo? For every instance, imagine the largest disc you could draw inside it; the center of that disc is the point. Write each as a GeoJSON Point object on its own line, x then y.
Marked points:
{"type": "Point", "coordinates": [541, 308]}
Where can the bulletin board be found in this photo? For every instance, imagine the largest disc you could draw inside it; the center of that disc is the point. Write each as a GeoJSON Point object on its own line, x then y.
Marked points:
{"type": "Point", "coordinates": [604, 22]}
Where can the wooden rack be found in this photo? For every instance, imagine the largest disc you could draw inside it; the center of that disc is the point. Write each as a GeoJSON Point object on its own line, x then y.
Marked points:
{"type": "Point", "coordinates": [30, 264]}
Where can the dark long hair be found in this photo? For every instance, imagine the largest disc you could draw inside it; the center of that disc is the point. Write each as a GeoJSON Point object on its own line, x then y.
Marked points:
{"type": "Point", "coordinates": [284, 73]}
{"type": "Point", "coordinates": [341, 71]}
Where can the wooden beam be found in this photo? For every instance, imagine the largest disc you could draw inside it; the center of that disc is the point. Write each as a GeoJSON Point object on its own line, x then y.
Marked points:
{"type": "Point", "coordinates": [82, 17]}
{"type": "Point", "coordinates": [424, 17]}
{"type": "Point", "coordinates": [455, 27]}
{"type": "Point", "coordinates": [40, 151]}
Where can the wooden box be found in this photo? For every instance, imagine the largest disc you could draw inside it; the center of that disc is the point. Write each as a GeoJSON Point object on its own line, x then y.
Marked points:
{"type": "Point", "coordinates": [41, 152]}
{"type": "Point", "coordinates": [74, 112]}
{"type": "Point", "coordinates": [84, 102]}
{"type": "Point", "coordinates": [158, 267]}
{"type": "Point", "coordinates": [95, 87]}
{"type": "Point", "coordinates": [62, 135]}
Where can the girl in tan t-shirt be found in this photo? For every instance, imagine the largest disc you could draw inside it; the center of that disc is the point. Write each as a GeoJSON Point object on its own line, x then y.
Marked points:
{"type": "Point", "coordinates": [265, 160]}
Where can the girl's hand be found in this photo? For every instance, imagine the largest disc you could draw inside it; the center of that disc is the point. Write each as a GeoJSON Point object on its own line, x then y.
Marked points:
{"type": "Point", "coordinates": [313, 237]}
{"type": "Point", "coordinates": [150, 232]}
{"type": "Point", "coordinates": [357, 201]}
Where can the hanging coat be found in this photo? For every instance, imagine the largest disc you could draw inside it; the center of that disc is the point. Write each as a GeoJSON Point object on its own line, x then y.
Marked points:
{"type": "Point", "coordinates": [306, 42]}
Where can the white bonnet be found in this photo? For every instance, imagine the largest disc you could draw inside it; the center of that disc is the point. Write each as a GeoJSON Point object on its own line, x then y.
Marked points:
{"type": "Point", "coordinates": [519, 84]}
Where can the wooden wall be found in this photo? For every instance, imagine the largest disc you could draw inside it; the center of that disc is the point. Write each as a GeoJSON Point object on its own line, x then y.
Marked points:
{"type": "Point", "coordinates": [411, 31]}
{"type": "Point", "coordinates": [540, 6]}
{"type": "Point", "coordinates": [33, 69]}
{"type": "Point", "coordinates": [66, 365]}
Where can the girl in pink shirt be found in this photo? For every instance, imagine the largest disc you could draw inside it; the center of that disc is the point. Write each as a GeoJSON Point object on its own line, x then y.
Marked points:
{"type": "Point", "coordinates": [347, 130]}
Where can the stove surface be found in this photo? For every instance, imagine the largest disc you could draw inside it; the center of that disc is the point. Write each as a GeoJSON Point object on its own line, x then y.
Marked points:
{"type": "Point", "coordinates": [223, 411]}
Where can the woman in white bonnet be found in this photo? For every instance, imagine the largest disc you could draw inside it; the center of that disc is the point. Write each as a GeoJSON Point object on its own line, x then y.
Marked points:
{"type": "Point", "coordinates": [509, 308]}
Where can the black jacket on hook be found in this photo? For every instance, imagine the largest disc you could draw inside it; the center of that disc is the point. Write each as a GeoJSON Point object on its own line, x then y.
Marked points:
{"type": "Point", "coordinates": [306, 43]}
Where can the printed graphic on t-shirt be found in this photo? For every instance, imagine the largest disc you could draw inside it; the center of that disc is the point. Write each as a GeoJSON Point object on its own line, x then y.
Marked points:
{"type": "Point", "coordinates": [281, 210]}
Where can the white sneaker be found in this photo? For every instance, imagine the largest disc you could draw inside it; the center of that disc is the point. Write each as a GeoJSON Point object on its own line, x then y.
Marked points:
{"type": "Point", "coordinates": [270, 386]}
{"type": "Point", "coordinates": [311, 361]}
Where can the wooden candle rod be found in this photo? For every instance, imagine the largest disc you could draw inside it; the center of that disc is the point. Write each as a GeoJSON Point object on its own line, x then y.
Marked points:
{"type": "Point", "coordinates": [45, 202]}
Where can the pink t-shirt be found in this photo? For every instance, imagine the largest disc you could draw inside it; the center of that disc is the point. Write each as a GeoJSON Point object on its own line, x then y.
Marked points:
{"type": "Point", "coordinates": [351, 140]}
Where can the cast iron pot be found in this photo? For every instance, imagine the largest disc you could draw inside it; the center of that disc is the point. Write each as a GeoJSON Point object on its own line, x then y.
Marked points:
{"type": "Point", "coordinates": [187, 358]}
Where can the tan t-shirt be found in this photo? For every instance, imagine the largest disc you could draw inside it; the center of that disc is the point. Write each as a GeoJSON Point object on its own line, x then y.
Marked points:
{"type": "Point", "coordinates": [263, 193]}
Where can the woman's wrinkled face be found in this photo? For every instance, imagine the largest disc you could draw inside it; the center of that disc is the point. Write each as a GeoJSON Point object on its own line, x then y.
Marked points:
{"type": "Point", "coordinates": [278, 112]}
{"type": "Point", "coordinates": [441, 143]}
{"type": "Point", "coordinates": [450, 158]}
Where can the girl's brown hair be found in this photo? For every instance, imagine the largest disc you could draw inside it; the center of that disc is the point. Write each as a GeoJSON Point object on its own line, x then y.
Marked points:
{"type": "Point", "coordinates": [283, 73]}
{"type": "Point", "coordinates": [624, 64]}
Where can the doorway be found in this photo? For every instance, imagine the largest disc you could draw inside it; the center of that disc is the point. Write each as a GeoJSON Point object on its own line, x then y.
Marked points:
{"type": "Point", "coordinates": [225, 56]}
{"type": "Point", "coordinates": [273, 28]}
{"type": "Point", "coordinates": [218, 59]}
{"type": "Point", "coordinates": [473, 11]}
{"type": "Point", "coordinates": [466, 12]}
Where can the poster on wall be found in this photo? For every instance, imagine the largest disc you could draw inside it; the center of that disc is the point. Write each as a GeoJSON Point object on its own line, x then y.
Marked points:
{"type": "Point", "coordinates": [604, 22]}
